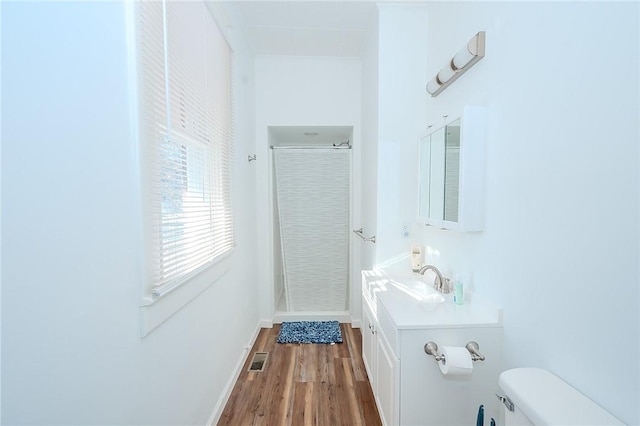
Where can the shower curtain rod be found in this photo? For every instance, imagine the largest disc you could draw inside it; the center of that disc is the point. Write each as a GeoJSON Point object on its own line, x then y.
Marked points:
{"type": "Point", "coordinates": [312, 147]}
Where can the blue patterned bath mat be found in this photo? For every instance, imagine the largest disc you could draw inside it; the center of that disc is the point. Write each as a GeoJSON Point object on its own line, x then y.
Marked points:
{"type": "Point", "coordinates": [310, 332]}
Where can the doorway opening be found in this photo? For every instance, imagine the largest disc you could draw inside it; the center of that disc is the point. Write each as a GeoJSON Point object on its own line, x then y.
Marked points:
{"type": "Point", "coordinates": [311, 206]}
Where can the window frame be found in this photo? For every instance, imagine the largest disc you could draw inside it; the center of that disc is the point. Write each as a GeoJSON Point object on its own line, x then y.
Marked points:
{"type": "Point", "coordinates": [161, 302]}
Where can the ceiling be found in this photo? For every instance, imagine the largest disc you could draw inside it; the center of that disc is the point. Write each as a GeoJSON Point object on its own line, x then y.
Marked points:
{"type": "Point", "coordinates": [307, 28]}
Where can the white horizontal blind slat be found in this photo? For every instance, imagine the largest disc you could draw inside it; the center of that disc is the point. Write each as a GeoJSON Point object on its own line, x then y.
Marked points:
{"type": "Point", "coordinates": [153, 116]}
{"type": "Point", "coordinates": [187, 68]}
{"type": "Point", "coordinates": [188, 165]}
{"type": "Point", "coordinates": [218, 94]}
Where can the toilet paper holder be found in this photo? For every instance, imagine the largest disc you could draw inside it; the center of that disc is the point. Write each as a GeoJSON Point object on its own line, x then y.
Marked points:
{"type": "Point", "coordinates": [431, 348]}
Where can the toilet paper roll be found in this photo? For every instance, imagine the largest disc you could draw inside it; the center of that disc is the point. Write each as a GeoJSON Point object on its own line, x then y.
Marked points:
{"type": "Point", "coordinates": [457, 362]}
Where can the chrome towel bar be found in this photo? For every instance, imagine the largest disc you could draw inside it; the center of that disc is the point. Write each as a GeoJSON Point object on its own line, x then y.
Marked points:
{"type": "Point", "coordinates": [359, 233]}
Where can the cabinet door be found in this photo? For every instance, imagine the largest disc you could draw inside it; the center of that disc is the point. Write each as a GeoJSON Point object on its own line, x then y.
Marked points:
{"type": "Point", "coordinates": [387, 372]}
{"type": "Point", "coordinates": [424, 167]}
{"type": "Point", "coordinates": [432, 178]}
{"type": "Point", "coordinates": [368, 342]}
{"type": "Point", "coordinates": [436, 181]}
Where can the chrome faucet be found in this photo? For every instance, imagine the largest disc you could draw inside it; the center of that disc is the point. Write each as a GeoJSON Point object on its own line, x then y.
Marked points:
{"type": "Point", "coordinates": [442, 284]}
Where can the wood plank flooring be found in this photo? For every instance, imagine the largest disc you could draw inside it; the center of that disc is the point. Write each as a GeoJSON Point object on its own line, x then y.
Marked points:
{"type": "Point", "coordinates": [304, 384]}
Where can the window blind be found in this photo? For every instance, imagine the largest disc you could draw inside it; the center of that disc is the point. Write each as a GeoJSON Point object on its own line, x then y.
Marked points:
{"type": "Point", "coordinates": [186, 139]}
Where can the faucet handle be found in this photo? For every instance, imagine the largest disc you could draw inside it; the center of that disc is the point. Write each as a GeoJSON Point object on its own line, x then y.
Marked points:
{"type": "Point", "coordinates": [446, 285]}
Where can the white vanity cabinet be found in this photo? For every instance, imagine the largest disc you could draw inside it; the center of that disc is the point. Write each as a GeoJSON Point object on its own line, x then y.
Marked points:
{"type": "Point", "coordinates": [387, 379]}
{"type": "Point", "coordinates": [380, 362]}
{"type": "Point", "coordinates": [408, 385]}
{"type": "Point", "coordinates": [451, 194]}
{"type": "Point", "coordinates": [369, 329]}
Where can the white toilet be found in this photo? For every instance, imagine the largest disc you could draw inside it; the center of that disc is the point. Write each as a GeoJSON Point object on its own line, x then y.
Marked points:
{"type": "Point", "coordinates": [533, 396]}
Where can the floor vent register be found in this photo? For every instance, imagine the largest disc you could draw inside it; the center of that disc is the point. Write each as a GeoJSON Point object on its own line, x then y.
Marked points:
{"type": "Point", "coordinates": [258, 361]}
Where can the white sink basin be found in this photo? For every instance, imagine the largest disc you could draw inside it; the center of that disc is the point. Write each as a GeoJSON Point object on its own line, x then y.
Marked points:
{"type": "Point", "coordinates": [419, 290]}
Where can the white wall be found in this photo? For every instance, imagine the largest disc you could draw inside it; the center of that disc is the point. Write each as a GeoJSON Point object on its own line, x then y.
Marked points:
{"type": "Point", "coordinates": [401, 110]}
{"type": "Point", "coordinates": [560, 249]}
{"type": "Point", "coordinates": [300, 91]}
{"type": "Point", "coordinates": [71, 256]}
{"type": "Point", "coordinates": [370, 142]}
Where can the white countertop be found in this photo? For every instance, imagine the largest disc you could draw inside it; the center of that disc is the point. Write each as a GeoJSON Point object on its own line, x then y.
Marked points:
{"type": "Point", "coordinates": [408, 310]}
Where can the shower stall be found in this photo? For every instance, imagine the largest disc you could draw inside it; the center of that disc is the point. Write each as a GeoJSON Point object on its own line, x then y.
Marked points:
{"type": "Point", "coordinates": [311, 206]}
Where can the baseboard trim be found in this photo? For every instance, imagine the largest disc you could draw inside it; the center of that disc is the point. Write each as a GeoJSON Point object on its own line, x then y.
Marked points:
{"type": "Point", "coordinates": [340, 316]}
{"type": "Point", "coordinates": [226, 394]}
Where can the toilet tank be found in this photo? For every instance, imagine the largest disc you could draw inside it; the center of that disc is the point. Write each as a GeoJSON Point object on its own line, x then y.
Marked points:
{"type": "Point", "coordinates": [541, 398]}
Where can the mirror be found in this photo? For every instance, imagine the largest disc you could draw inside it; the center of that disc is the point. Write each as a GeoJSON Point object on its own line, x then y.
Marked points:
{"type": "Point", "coordinates": [437, 169]}
{"type": "Point", "coordinates": [424, 179]}
{"type": "Point", "coordinates": [432, 176]}
{"type": "Point", "coordinates": [451, 171]}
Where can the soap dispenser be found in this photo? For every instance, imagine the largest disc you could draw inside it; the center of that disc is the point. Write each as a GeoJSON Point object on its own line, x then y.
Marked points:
{"type": "Point", "coordinates": [458, 289]}
{"type": "Point", "coordinates": [458, 292]}
{"type": "Point", "coordinates": [416, 258]}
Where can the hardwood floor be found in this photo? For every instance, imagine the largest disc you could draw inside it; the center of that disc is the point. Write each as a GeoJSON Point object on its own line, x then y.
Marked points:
{"type": "Point", "coordinates": [304, 384]}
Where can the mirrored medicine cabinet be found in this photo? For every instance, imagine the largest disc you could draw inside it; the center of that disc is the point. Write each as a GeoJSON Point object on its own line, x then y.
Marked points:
{"type": "Point", "coordinates": [451, 182]}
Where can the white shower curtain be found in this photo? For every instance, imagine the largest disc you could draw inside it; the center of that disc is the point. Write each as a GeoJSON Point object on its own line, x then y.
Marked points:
{"type": "Point", "coordinates": [312, 194]}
